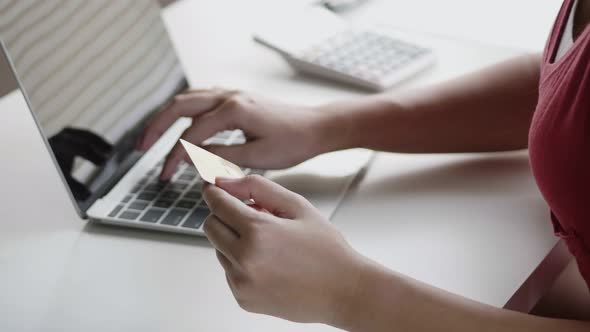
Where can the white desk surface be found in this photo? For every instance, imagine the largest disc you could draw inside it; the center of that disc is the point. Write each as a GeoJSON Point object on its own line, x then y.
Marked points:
{"type": "Point", "coordinates": [523, 24]}
{"type": "Point", "coordinates": [471, 224]}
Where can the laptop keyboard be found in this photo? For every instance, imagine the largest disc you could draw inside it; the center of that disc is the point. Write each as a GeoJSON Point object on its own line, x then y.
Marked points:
{"type": "Point", "coordinates": [177, 203]}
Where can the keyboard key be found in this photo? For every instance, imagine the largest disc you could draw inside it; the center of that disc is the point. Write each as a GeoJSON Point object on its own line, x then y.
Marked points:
{"type": "Point", "coordinates": [215, 141]}
{"type": "Point", "coordinates": [177, 186]}
{"type": "Point", "coordinates": [238, 140]}
{"type": "Point", "coordinates": [130, 215]}
{"type": "Point", "coordinates": [224, 134]}
{"type": "Point", "coordinates": [196, 187]}
{"type": "Point", "coordinates": [152, 215]}
{"type": "Point", "coordinates": [138, 205]}
{"type": "Point", "coordinates": [115, 211]}
{"type": "Point", "coordinates": [127, 199]}
{"type": "Point", "coordinates": [163, 203]}
{"type": "Point", "coordinates": [147, 196]}
{"type": "Point", "coordinates": [170, 194]}
{"type": "Point", "coordinates": [186, 204]}
{"type": "Point", "coordinates": [194, 195]}
{"type": "Point", "coordinates": [135, 189]}
{"type": "Point", "coordinates": [186, 177]}
{"type": "Point", "coordinates": [190, 170]}
{"type": "Point", "coordinates": [174, 217]}
{"type": "Point", "coordinates": [155, 187]}
{"type": "Point", "coordinates": [196, 218]}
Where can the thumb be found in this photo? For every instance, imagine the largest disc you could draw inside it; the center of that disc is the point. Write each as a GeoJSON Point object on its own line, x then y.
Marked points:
{"type": "Point", "coordinates": [267, 194]}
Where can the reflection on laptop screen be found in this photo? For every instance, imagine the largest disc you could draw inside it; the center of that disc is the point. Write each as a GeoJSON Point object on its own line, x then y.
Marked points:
{"type": "Point", "coordinates": [93, 72]}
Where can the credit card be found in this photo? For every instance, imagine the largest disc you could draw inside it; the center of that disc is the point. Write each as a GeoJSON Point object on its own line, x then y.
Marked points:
{"type": "Point", "coordinates": [210, 165]}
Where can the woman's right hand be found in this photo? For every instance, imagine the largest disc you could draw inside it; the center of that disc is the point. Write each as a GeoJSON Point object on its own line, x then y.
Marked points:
{"type": "Point", "coordinates": [282, 258]}
{"type": "Point", "coordinates": [277, 135]}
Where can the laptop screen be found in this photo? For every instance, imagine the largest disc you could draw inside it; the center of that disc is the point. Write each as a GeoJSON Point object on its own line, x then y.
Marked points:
{"type": "Point", "coordinates": [93, 73]}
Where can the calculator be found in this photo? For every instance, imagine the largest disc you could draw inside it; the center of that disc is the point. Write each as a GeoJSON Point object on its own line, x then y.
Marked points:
{"type": "Point", "coordinates": [333, 50]}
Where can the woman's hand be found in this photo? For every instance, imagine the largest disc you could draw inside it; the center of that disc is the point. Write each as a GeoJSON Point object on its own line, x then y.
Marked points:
{"type": "Point", "coordinates": [281, 258]}
{"type": "Point", "coordinates": [278, 135]}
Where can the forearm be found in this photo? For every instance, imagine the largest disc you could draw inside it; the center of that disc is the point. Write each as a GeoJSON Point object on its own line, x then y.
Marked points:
{"type": "Point", "coordinates": [387, 301]}
{"type": "Point", "coordinates": [489, 110]}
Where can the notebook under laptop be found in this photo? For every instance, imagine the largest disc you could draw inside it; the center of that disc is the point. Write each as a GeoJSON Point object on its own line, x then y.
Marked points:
{"type": "Point", "coordinates": [92, 80]}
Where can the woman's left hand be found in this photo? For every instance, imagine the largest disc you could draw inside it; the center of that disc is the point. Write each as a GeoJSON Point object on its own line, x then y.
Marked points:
{"type": "Point", "coordinates": [282, 258]}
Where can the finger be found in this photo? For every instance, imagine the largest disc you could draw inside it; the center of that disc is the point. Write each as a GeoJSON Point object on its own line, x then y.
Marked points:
{"type": "Point", "coordinates": [232, 211]}
{"type": "Point", "coordinates": [176, 155]}
{"type": "Point", "coordinates": [190, 105]}
{"type": "Point", "coordinates": [202, 128]}
{"type": "Point", "coordinates": [197, 102]}
{"type": "Point", "coordinates": [221, 236]}
{"type": "Point", "coordinates": [267, 194]}
{"type": "Point", "coordinates": [225, 117]}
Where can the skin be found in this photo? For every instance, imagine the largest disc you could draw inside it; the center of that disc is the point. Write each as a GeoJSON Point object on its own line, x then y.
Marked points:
{"type": "Point", "coordinates": [282, 258]}
{"type": "Point", "coordinates": [581, 17]}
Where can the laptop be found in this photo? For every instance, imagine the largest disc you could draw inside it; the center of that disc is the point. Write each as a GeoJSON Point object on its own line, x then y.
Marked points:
{"type": "Point", "coordinates": [93, 74]}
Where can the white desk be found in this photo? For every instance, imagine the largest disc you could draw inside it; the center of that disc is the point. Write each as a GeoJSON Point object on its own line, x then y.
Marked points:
{"type": "Point", "coordinates": [470, 224]}
{"type": "Point", "coordinates": [523, 24]}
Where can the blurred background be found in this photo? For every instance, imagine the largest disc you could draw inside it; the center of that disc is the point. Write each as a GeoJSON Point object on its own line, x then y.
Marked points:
{"type": "Point", "coordinates": [500, 22]}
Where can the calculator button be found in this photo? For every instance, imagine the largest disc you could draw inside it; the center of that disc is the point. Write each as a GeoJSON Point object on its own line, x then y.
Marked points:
{"type": "Point", "coordinates": [366, 55]}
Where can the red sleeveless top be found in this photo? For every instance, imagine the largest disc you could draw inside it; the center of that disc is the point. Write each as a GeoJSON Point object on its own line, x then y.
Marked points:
{"type": "Point", "coordinates": [559, 139]}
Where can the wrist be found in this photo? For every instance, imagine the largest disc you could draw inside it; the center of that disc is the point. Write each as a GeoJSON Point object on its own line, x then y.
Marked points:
{"type": "Point", "coordinates": [334, 128]}
{"type": "Point", "coordinates": [376, 122]}
{"type": "Point", "coordinates": [345, 290]}
{"type": "Point", "coordinates": [373, 304]}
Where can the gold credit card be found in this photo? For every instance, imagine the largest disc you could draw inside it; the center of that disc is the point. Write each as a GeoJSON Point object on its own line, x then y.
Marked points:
{"type": "Point", "coordinates": [210, 165]}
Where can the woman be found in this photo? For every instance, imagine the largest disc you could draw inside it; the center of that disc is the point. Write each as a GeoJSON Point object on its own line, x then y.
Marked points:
{"type": "Point", "coordinates": [540, 102]}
